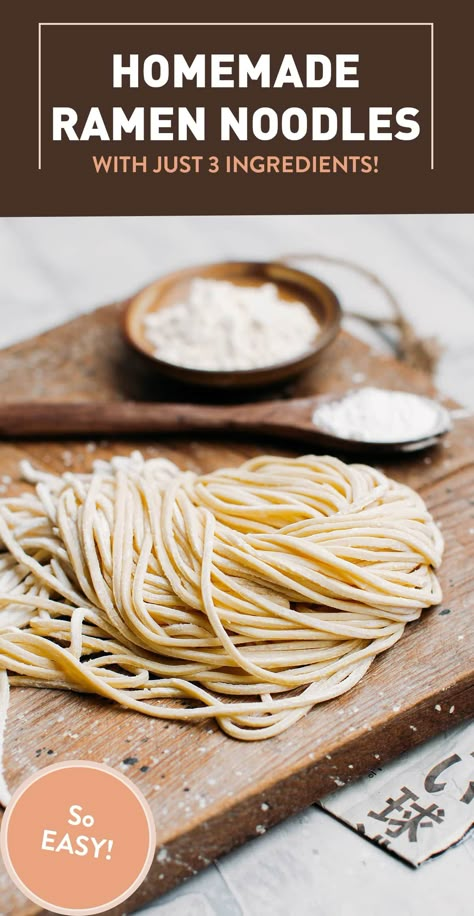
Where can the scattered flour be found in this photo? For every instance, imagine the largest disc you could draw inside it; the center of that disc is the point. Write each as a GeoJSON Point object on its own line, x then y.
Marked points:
{"type": "Point", "coordinates": [224, 326]}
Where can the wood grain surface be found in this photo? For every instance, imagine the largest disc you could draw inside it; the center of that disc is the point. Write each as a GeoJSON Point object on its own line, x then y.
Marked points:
{"type": "Point", "coordinates": [209, 793]}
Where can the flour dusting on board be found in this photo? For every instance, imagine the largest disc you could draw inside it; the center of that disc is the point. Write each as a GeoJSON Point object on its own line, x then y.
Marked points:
{"type": "Point", "coordinates": [224, 326]}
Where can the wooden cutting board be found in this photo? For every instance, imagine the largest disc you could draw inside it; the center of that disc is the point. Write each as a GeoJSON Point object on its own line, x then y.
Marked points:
{"type": "Point", "coordinates": [209, 793]}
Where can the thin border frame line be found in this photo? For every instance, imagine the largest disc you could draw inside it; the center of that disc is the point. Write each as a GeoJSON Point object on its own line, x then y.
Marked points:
{"type": "Point", "coordinates": [363, 24]}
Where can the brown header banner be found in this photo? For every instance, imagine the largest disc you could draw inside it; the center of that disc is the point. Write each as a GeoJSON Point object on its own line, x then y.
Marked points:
{"type": "Point", "coordinates": [359, 113]}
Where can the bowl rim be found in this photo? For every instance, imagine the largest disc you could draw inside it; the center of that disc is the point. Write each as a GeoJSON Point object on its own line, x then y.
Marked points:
{"type": "Point", "coordinates": [282, 369]}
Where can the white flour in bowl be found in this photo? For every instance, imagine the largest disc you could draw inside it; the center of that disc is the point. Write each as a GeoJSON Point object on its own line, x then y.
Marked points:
{"type": "Point", "coordinates": [379, 415]}
{"type": "Point", "coordinates": [224, 326]}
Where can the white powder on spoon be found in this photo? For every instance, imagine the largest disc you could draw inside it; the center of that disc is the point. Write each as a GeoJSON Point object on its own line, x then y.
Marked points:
{"type": "Point", "coordinates": [379, 415]}
{"type": "Point", "coordinates": [223, 326]}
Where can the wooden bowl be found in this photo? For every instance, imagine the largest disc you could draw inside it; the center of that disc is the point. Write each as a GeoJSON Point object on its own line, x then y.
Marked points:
{"type": "Point", "coordinates": [292, 285]}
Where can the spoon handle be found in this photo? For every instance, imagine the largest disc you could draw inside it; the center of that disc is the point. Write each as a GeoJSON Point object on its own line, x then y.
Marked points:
{"type": "Point", "coordinates": [36, 418]}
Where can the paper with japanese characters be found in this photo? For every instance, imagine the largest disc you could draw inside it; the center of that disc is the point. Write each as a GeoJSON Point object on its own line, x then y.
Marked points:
{"type": "Point", "coordinates": [418, 805]}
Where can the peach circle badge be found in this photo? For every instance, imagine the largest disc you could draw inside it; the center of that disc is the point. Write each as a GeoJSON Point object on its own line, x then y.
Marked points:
{"type": "Point", "coordinates": [78, 838]}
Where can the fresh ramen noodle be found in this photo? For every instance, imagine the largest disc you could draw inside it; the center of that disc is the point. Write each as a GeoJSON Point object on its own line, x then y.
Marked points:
{"type": "Point", "coordinates": [247, 595]}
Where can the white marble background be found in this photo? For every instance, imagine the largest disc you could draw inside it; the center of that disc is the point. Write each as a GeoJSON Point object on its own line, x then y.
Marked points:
{"type": "Point", "coordinates": [53, 269]}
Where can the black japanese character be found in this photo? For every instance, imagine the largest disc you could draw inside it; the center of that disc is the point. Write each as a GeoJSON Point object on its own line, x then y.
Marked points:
{"type": "Point", "coordinates": [469, 793]}
{"type": "Point", "coordinates": [382, 841]}
{"type": "Point", "coordinates": [424, 817]}
{"type": "Point", "coordinates": [394, 804]}
{"type": "Point", "coordinates": [431, 784]}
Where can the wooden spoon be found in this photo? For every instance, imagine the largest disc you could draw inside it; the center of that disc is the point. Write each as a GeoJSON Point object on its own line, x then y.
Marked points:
{"type": "Point", "coordinates": [289, 419]}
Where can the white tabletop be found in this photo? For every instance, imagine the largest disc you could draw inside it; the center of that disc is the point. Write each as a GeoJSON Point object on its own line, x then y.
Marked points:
{"type": "Point", "coordinates": [53, 269]}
